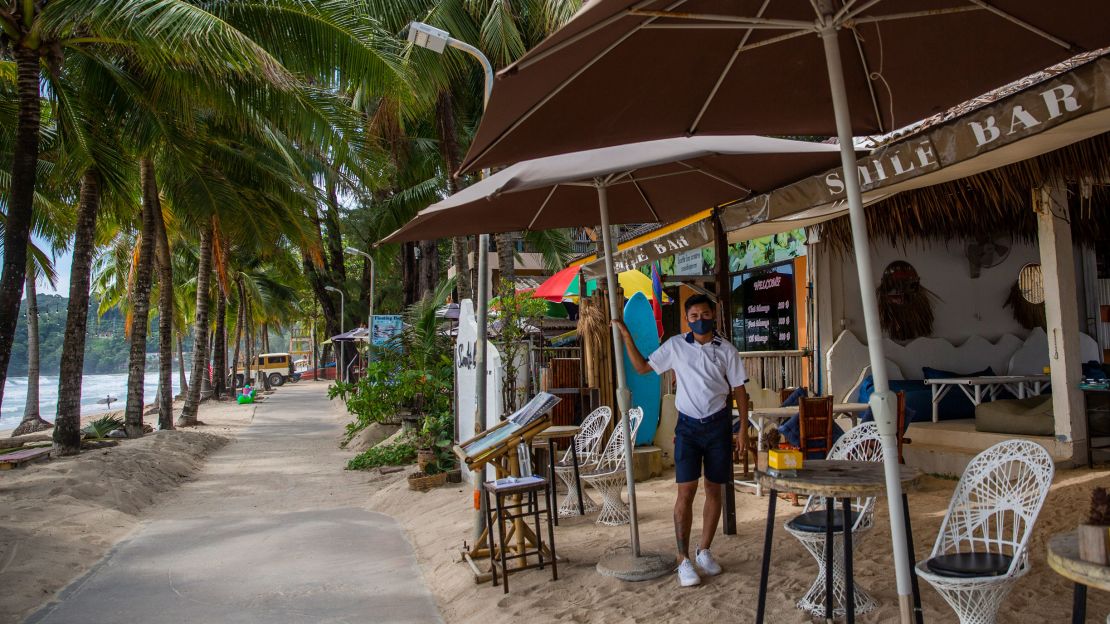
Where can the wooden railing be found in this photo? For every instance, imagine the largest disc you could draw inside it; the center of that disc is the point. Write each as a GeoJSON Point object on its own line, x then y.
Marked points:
{"type": "Point", "coordinates": [775, 370]}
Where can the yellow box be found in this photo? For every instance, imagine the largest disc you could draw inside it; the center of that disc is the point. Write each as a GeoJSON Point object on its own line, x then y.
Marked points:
{"type": "Point", "coordinates": [785, 459]}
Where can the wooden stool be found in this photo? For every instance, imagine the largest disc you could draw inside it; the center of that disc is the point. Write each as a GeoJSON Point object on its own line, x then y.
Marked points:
{"type": "Point", "coordinates": [525, 494]}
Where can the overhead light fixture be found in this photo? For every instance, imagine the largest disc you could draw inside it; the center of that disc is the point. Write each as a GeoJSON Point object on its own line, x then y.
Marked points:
{"type": "Point", "coordinates": [430, 37]}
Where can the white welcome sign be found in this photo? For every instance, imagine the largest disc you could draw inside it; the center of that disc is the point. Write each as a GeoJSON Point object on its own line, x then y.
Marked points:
{"type": "Point", "coordinates": [466, 370]}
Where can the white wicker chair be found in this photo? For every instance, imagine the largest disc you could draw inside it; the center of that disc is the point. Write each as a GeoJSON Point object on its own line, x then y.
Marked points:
{"type": "Point", "coordinates": [860, 443]}
{"type": "Point", "coordinates": [586, 445]}
{"type": "Point", "coordinates": [981, 549]}
{"type": "Point", "coordinates": [608, 476]}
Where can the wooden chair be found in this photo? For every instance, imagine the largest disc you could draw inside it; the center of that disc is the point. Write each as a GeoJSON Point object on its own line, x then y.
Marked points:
{"type": "Point", "coordinates": [815, 422]}
{"type": "Point", "coordinates": [815, 425]}
{"type": "Point", "coordinates": [784, 394]}
{"type": "Point", "coordinates": [902, 439]}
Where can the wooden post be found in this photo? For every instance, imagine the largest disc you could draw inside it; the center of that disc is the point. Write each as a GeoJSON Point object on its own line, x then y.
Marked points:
{"type": "Point", "coordinates": [724, 326]}
{"type": "Point", "coordinates": [1061, 313]}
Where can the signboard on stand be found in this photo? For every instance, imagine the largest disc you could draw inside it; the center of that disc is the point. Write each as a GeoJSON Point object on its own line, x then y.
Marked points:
{"type": "Point", "coordinates": [385, 328]}
{"type": "Point", "coordinates": [763, 314]}
{"type": "Point", "coordinates": [466, 381]}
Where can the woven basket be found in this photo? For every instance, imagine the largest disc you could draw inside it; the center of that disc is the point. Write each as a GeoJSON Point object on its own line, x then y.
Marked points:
{"type": "Point", "coordinates": [421, 482]}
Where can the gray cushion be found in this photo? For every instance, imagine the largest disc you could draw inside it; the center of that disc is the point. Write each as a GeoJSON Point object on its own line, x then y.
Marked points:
{"type": "Point", "coordinates": [1032, 416]}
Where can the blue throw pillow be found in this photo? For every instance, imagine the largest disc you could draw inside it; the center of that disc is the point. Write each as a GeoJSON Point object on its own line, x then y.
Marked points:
{"type": "Point", "coordinates": [792, 400]}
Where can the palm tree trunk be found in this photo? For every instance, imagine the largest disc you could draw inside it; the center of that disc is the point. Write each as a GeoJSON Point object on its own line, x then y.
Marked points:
{"type": "Point", "coordinates": [67, 421]}
{"type": "Point", "coordinates": [140, 309]}
{"type": "Point", "coordinates": [17, 225]}
{"type": "Point", "coordinates": [32, 421]}
{"type": "Point", "coordinates": [219, 359]}
{"type": "Point", "coordinates": [239, 317]}
{"type": "Point", "coordinates": [181, 362]}
{"type": "Point", "coordinates": [506, 261]}
{"type": "Point", "coordinates": [200, 334]}
{"type": "Point", "coordinates": [165, 295]}
{"type": "Point", "coordinates": [249, 341]}
{"type": "Point", "coordinates": [449, 150]}
{"type": "Point", "coordinates": [265, 337]}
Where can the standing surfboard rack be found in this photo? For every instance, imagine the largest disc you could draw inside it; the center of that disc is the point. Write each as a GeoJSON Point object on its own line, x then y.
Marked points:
{"type": "Point", "coordinates": [499, 446]}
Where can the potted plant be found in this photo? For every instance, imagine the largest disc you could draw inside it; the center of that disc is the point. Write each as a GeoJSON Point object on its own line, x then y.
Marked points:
{"type": "Point", "coordinates": [1094, 536]}
{"type": "Point", "coordinates": [434, 438]}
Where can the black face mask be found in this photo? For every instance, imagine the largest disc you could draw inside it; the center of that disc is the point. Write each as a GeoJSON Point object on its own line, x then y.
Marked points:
{"type": "Point", "coordinates": [702, 327]}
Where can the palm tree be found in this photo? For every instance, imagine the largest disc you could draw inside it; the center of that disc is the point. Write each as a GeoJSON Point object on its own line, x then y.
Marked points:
{"type": "Point", "coordinates": [32, 422]}
{"type": "Point", "coordinates": [165, 294]}
{"type": "Point", "coordinates": [200, 334]}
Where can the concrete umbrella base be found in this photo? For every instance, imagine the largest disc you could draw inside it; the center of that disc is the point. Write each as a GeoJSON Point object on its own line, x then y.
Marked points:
{"type": "Point", "coordinates": [621, 564]}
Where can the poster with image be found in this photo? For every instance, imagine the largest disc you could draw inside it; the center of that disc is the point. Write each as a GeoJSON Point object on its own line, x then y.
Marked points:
{"type": "Point", "coordinates": [386, 327]}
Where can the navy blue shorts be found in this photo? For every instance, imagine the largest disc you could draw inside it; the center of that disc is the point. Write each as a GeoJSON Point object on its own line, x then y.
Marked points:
{"type": "Point", "coordinates": [705, 442]}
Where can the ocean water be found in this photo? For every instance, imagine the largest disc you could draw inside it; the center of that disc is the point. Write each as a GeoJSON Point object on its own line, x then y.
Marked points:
{"type": "Point", "coordinates": [93, 389]}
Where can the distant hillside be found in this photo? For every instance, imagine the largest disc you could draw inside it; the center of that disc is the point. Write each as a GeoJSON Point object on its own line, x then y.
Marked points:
{"type": "Point", "coordinates": [106, 348]}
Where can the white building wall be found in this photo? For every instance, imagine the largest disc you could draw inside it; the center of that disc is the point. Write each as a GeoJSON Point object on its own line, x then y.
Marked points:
{"type": "Point", "coordinates": [963, 306]}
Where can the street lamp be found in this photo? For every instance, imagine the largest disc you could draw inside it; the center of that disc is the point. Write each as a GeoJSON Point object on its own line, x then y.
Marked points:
{"type": "Point", "coordinates": [342, 315]}
{"type": "Point", "coordinates": [370, 318]}
{"type": "Point", "coordinates": [437, 41]}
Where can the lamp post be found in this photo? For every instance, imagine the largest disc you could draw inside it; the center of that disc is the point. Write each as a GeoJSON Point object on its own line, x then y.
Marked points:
{"type": "Point", "coordinates": [342, 315]}
{"type": "Point", "coordinates": [437, 40]}
{"type": "Point", "coordinates": [370, 317]}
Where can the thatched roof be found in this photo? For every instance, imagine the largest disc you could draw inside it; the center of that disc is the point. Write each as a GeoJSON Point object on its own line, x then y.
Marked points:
{"type": "Point", "coordinates": [993, 202]}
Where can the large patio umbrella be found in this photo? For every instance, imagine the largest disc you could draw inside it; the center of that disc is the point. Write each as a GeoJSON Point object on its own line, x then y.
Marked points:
{"type": "Point", "coordinates": [661, 180]}
{"type": "Point", "coordinates": [631, 70]}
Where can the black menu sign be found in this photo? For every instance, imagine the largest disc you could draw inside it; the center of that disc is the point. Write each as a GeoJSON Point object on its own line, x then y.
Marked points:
{"type": "Point", "coordinates": [763, 309]}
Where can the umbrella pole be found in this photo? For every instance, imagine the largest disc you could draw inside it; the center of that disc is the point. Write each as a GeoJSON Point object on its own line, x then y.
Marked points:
{"type": "Point", "coordinates": [624, 396]}
{"type": "Point", "coordinates": [634, 565]}
{"type": "Point", "coordinates": [882, 401]}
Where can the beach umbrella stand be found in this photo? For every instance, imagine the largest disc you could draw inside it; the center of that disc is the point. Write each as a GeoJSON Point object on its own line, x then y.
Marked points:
{"type": "Point", "coordinates": [632, 565]}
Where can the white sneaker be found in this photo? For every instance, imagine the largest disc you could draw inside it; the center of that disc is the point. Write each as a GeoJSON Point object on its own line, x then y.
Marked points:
{"type": "Point", "coordinates": [687, 575]}
{"type": "Point", "coordinates": [706, 563]}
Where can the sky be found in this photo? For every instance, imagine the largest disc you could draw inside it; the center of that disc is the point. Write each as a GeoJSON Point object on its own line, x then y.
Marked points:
{"type": "Point", "coordinates": [61, 265]}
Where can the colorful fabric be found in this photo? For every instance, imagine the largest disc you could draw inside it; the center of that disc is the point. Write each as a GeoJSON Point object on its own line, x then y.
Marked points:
{"type": "Point", "coordinates": [657, 297]}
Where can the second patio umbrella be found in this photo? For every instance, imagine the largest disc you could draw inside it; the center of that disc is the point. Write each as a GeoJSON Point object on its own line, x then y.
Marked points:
{"type": "Point", "coordinates": [652, 181]}
{"type": "Point", "coordinates": [564, 286]}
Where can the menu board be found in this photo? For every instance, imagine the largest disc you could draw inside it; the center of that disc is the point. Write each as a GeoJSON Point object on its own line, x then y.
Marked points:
{"type": "Point", "coordinates": [763, 309]}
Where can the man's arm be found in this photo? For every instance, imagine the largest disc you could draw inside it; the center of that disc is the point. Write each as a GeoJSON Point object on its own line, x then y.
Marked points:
{"type": "Point", "coordinates": [638, 361]}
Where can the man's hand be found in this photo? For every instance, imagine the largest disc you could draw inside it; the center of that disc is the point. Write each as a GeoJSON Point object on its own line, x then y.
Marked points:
{"type": "Point", "coordinates": [639, 362]}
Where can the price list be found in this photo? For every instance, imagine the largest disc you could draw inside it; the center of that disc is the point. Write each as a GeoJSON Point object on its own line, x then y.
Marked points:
{"type": "Point", "coordinates": [763, 309]}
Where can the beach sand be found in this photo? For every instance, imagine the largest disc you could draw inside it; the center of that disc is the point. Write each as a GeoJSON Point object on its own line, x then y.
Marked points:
{"type": "Point", "coordinates": [58, 518]}
{"type": "Point", "coordinates": [439, 521]}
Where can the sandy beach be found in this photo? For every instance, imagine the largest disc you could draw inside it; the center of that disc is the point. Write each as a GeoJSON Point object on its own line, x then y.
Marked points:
{"type": "Point", "coordinates": [439, 521]}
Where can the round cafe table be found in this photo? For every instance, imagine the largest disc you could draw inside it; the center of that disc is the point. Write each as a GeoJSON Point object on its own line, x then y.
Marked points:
{"type": "Point", "coordinates": [834, 480]}
{"type": "Point", "coordinates": [1063, 557]}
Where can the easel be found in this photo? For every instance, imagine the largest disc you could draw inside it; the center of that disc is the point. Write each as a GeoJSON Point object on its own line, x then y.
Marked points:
{"type": "Point", "coordinates": [499, 446]}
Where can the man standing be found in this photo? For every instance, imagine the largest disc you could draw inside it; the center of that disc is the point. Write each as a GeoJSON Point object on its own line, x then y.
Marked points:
{"type": "Point", "coordinates": [708, 369]}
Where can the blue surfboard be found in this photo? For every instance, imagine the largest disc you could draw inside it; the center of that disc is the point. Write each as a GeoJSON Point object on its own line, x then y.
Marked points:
{"type": "Point", "coordinates": [640, 321]}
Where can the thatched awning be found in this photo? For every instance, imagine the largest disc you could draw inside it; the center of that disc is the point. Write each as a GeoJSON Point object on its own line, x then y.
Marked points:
{"type": "Point", "coordinates": [994, 202]}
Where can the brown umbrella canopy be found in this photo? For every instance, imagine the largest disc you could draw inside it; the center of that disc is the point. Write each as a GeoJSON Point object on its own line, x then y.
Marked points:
{"type": "Point", "coordinates": [624, 71]}
{"type": "Point", "coordinates": [653, 181]}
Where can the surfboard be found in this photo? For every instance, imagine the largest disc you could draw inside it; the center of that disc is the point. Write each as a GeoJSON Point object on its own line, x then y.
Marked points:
{"type": "Point", "coordinates": [640, 320]}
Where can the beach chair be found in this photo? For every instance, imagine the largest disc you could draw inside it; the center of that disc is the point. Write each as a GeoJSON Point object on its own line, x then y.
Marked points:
{"type": "Point", "coordinates": [860, 443]}
{"type": "Point", "coordinates": [586, 445]}
{"type": "Point", "coordinates": [982, 546]}
{"type": "Point", "coordinates": [608, 475]}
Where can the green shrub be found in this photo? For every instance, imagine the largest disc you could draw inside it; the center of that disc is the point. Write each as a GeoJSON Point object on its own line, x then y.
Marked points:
{"type": "Point", "coordinates": [101, 427]}
{"type": "Point", "coordinates": [389, 455]}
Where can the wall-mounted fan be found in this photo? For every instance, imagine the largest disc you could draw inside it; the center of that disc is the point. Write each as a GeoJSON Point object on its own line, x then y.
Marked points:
{"type": "Point", "coordinates": [986, 252]}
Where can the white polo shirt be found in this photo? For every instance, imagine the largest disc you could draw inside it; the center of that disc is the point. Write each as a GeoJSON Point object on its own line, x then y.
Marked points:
{"type": "Point", "coordinates": [706, 373]}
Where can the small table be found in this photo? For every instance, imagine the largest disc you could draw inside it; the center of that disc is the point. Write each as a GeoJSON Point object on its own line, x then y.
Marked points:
{"type": "Point", "coordinates": [1063, 557]}
{"type": "Point", "coordinates": [551, 434]}
{"type": "Point", "coordinates": [978, 388]}
{"type": "Point", "coordinates": [835, 479]}
{"type": "Point", "coordinates": [528, 506]}
{"type": "Point", "coordinates": [759, 416]}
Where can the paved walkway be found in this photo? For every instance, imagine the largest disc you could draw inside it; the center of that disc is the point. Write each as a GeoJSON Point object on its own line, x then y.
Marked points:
{"type": "Point", "coordinates": [270, 532]}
